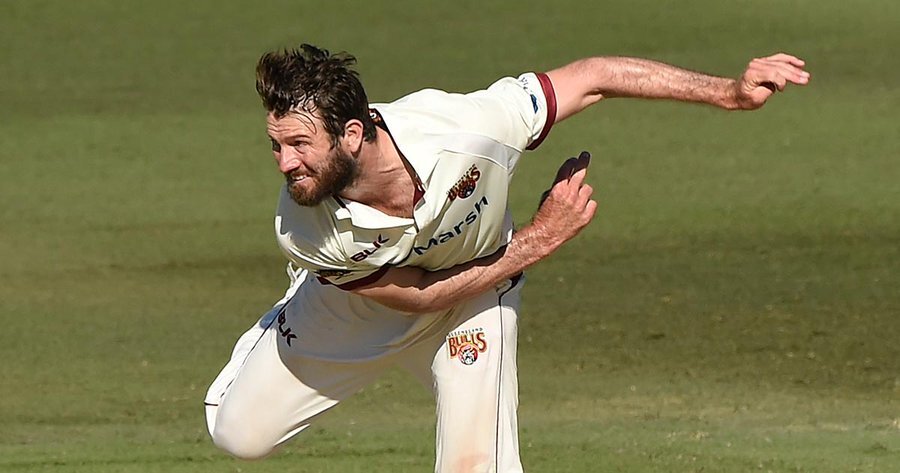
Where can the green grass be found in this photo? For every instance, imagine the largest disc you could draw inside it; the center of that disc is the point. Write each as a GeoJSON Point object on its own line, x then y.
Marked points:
{"type": "Point", "coordinates": [734, 307]}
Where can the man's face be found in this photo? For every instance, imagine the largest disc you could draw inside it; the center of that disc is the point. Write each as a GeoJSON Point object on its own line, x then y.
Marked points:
{"type": "Point", "coordinates": [303, 150]}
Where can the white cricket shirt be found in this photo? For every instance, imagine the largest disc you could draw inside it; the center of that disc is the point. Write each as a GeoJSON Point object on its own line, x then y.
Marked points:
{"type": "Point", "coordinates": [463, 149]}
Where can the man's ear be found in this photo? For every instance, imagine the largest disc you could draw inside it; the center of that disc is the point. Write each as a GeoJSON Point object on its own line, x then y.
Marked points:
{"type": "Point", "coordinates": [353, 136]}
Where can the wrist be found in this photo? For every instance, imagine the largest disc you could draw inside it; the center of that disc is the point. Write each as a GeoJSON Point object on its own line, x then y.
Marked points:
{"type": "Point", "coordinates": [728, 95]}
{"type": "Point", "coordinates": [533, 242]}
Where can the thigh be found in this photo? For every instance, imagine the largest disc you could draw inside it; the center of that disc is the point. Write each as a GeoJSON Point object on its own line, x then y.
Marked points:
{"type": "Point", "coordinates": [269, 397]}
{"type": "Point", "coordinates": [249, 340]}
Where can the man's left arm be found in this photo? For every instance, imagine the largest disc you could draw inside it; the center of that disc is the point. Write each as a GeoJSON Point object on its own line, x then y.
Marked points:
{"type": "Point", "coordinates": [566, 211]}
{"type": "Point", "coordinates": [587, 81]}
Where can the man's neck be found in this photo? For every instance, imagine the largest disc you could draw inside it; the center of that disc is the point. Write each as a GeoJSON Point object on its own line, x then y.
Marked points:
{"type": "Point", "coordinates": [383, 182]}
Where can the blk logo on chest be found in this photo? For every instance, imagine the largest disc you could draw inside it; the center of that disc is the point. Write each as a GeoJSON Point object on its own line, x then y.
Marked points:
{"type": "Point", "coordinates": [378, 243]}
{"type": "Point", "coordinates": [285, 332]}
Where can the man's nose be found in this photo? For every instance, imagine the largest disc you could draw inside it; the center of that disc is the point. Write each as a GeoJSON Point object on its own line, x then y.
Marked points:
{"type": "Point", "coordinates": [288, 160]}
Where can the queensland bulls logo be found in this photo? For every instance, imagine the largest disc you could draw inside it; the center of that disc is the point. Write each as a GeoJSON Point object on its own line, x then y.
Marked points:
{"type": "Point", "coordinates": [466, 345]}
{"type": "Point", "coordinates": [465, 186]}
{"type": "Point", "coordinates": [468, 354]}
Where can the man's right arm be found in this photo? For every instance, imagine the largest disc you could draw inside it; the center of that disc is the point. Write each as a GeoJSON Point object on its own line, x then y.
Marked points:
{"type": "Point", "coordinates": [566, 211]}
{"type": "Point", "coordinates": [587, 81]}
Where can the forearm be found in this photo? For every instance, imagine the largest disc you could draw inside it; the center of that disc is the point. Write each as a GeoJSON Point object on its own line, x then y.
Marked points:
{"type": "Point", "coordinates": [587, 81]}
{"type": "Point", "coordinates": [416, 290]}
{"type": "Point", "coordinates": [526, 248]}
{"type": "Point", "coordinates": [643, 78]}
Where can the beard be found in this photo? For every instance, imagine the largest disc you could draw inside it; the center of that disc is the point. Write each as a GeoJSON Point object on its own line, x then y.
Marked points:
{"type": "Point", "coordinates": [336, 174]}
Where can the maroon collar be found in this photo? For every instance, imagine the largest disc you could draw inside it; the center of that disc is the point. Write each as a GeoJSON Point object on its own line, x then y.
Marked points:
{"type": "Point", "coordinates": [419, 191]}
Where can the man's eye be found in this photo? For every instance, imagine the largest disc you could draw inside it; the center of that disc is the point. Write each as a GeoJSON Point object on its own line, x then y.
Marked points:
{"type": "Point", "coordinates": [275, 146]}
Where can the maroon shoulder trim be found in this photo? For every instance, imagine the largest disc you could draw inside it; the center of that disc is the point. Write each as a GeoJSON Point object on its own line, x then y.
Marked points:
{"type": "Point", "coordinates": [359, 282]}
{"type": "Point", "coordinates": [550, 96]}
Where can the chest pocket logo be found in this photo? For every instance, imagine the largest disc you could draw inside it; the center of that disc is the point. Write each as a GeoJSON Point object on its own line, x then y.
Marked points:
{"type": "Point", "coordinates": [466, 184]}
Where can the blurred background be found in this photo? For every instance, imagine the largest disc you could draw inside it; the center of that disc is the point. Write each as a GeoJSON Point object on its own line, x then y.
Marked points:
{"type": "Point", "coordinates": [733, 307]}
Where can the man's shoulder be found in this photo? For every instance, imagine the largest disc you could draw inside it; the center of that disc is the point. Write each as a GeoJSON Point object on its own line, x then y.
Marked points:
{"type": "Point", "coordinates": [429, 103]}
{"type": "Point", "coordinates": [511, 111]}
{"type": "Point", "coordinates": [426, 107]}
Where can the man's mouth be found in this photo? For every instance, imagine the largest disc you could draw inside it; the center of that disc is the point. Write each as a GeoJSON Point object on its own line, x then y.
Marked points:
{"type": "Point", "coordinates": [297, 178]}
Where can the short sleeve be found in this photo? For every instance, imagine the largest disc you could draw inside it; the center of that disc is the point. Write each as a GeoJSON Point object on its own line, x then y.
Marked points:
{"type": "Point", "coordinates": [532, 99]}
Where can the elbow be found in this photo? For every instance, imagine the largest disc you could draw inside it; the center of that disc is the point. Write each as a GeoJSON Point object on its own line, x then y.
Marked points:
{"type": "Point", "coordinates": [422, 307]}
{"type": "Point", "coordinates": [419, 303]}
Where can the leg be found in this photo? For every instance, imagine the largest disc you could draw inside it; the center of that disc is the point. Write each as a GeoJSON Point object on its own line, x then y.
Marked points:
{"type": "Point", "coordinates": [245, 344]}
{"type": "Point", "coordinates": [269, 401]}
{"type": "Point", "coordinates": [476, 388]}
{"type": "Point", "coordinates": [263, 397]}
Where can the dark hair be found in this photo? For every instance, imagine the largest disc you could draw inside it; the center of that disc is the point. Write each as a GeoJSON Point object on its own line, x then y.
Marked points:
{"type": "Point", "coordinates": [314, 81]}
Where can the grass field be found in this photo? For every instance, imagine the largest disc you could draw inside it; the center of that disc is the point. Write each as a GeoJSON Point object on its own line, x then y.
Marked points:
{"type": "Point", "coordinates": [735, 306]}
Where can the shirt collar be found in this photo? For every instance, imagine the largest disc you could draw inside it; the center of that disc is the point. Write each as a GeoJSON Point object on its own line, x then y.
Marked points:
{"type": "Point", "coordinates": [410, 142]}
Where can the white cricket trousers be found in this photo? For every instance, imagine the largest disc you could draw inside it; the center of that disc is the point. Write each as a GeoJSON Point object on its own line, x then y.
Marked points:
{"type": "Point", "coordinates": [267, 393]}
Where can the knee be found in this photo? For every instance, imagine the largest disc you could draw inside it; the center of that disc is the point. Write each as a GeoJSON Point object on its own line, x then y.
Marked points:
{"type": "Point", "coordinates": [240, 442]}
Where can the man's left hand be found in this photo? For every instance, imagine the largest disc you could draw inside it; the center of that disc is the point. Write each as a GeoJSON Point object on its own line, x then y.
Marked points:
{"type": "Point", "coordinates": [765, 76]}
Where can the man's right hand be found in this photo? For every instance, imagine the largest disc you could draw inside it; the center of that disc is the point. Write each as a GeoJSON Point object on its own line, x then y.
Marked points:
{"type": "Point", "coordinates": [567, 207]}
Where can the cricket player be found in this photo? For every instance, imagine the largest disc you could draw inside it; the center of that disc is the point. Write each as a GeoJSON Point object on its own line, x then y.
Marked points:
{"type": "Point", "coordinates": [402, 252]}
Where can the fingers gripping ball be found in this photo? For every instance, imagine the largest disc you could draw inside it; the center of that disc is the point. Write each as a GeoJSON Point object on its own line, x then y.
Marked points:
{"type": "Point", "coordinates": [566, 171]}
